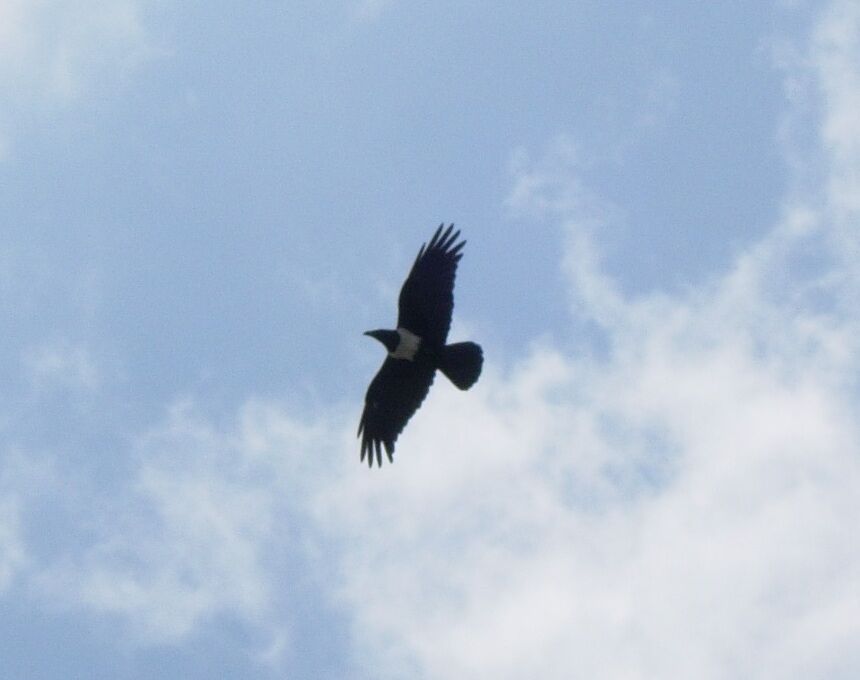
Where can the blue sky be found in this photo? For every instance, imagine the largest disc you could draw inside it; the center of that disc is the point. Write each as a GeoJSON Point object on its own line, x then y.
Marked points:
{"type": "Point", "coordinates": [204, 205]}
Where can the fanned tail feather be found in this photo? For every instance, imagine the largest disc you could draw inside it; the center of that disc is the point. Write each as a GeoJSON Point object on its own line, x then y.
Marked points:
{"type": "Point", "coordinates": [461, 363]}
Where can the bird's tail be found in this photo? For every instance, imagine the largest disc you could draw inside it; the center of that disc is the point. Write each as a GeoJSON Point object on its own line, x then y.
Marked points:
{"type": "Point", "coordinates": [462, 363]}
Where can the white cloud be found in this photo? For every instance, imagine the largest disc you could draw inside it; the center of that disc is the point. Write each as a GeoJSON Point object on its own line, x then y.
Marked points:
{"type": "Point", "coordinates": [679, 511]}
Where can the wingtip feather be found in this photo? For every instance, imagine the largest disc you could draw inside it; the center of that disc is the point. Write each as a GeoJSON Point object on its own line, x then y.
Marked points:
{"type": "Point", "coordinates": [445, 236]}
{"type": "Point", "coordinates": [435, 238]}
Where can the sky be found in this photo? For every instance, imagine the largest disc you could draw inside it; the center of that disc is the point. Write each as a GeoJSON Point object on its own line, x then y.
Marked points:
{"type": "Point", "coordinates": [203, 207]}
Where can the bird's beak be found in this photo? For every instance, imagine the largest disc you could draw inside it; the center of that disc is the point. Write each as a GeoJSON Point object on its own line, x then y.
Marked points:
{"type": "Point", "coordinates": [378, 335]}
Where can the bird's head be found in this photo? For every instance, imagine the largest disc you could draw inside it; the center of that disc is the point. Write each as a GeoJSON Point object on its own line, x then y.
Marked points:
{"type": "Point", "coordinates": [388, 338]}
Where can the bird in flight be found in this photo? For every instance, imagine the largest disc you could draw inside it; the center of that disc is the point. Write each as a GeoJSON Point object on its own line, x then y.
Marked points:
{"type": "Point", "coordinates": [417, 347]}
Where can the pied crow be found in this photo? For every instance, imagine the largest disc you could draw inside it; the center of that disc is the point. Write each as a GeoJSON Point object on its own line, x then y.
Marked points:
{"type": "Point", "coordinates": [417, 347]}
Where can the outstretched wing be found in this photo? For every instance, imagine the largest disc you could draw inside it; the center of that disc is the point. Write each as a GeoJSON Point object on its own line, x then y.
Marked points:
{"type": "Point", "coordinates": [427, 297]}
{"type": "Point", "coordinates": [393, 396]}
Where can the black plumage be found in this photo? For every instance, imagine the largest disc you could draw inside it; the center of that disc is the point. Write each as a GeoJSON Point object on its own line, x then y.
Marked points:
{"type": "Point", "coordinates": [418, 347]}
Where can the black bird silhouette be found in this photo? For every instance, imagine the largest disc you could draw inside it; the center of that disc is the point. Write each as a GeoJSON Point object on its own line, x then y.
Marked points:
{"type": "Point", "coordinates": [417, 347]}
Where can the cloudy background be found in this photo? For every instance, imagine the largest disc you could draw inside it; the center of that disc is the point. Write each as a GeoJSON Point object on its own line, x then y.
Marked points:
{"type": "Point", "coordinates": [203, 205]}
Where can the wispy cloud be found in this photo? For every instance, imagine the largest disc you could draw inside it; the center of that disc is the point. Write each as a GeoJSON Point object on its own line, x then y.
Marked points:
{"type": "Point", "coordinates": [369, 10]}
{"type": "Point", "coordinates": [835, 58]}
{"type": "Point", "coordinates": [187, 540]}
{"type": "Point", "coordinates": [52, 50]}
{"type": "Point", "coordinates": [22, 479]}
{"type": "Point", "coordinates": [660, 97]}
{"type": "Point", "coordinates": [53, 53]}
{"type": "Point", "coordinates": [62, 365]}
{"type": "Point", "coordinates": [12, 554]}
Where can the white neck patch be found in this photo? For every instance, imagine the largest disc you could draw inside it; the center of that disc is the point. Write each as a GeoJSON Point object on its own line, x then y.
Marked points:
{"type": "Point", "coordinates": [408, 345]}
